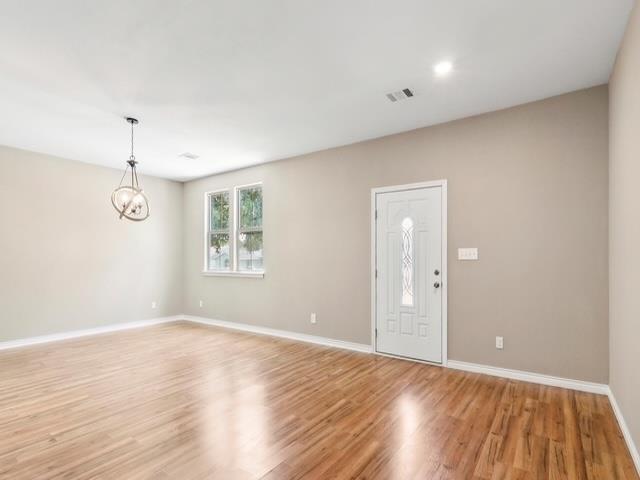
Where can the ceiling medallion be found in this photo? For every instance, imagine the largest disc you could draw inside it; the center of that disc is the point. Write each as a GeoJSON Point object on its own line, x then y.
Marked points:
{"type": "Point", "coordinates": [130, 200]}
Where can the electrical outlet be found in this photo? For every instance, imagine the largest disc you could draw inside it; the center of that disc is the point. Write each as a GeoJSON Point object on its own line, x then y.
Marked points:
{"type": "Point", "coordinates": [313, 318]}
{"type": "Point", "coordinates": [154, 304]}
{"type": "Point", "coordinates": [500, 343]}
{"type": "Point", "coordinates": [201, 304]}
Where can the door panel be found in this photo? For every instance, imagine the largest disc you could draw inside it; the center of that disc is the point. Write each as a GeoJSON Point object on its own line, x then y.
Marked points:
{"type": "Point", "coordinates": [409, 263]}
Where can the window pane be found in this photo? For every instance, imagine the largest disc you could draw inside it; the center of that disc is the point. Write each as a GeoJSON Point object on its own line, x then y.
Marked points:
{"type": "Point", "coordinates": [250, 251]}
{"type": "Point", "coordinates": [219, 208]}
{"type": "Point", "coordinates": [250, 214]}
{"type": "Point", "coordinates": [219, 258]}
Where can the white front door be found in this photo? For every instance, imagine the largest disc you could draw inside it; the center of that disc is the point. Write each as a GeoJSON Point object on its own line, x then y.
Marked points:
{"type": "Point", "coordinates": [409, 273]}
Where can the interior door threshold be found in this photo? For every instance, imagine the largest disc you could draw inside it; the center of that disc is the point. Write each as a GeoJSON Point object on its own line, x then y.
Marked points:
{"type": "Point", "coordinates": [408, 359]}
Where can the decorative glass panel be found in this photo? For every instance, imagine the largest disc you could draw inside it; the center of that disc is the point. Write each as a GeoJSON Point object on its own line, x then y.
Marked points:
{"type": "Point", "coordinates": [219, 258]}
{"type": "Point", "coordinates": [407, 262]}
{"type": "Point", "coordinates": [219, 209]}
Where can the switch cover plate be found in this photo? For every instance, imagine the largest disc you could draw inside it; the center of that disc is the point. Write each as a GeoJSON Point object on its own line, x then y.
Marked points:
{"type": "Point", "coordinates": [467, 254]}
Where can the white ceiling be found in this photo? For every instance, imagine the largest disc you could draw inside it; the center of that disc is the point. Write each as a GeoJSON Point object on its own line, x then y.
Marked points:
{"type": "Point", "coordinates": [248, 81]}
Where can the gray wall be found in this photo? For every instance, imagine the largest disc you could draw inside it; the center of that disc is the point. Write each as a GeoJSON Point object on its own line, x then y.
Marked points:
{"type": "Point", "coordinates": [528, 186]}
{"type": "Point", "coordinates": [66, 260]}
{"type": "Point", "coordinates": [624, 236]}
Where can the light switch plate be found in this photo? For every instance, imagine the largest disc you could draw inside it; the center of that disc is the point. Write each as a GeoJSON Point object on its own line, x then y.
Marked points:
{"type": "Point", "coordinates": [467, 254]}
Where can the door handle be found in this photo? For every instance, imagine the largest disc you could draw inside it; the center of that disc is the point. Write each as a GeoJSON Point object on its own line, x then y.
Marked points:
{"type": "Point", "coordinates": [436, 285]}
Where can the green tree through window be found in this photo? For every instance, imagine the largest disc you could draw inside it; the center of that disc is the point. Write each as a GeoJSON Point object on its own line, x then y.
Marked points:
{"type": "Point", "coordinates": [240, 249]}
{"type": "Point", "coordinates": [218, 254]}
{"type": "Point", "coordinates": [220, 220]}
{"type": "Point", "coordinates": [250, 228]}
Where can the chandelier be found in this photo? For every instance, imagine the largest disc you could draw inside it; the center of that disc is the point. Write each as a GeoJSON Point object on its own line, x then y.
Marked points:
{"type": "Point", "coordinates": [130, 200]}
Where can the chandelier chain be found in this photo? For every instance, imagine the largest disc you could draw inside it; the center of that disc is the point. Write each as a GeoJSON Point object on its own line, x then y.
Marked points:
{"type": "Point", "coordinates": [132, 156]}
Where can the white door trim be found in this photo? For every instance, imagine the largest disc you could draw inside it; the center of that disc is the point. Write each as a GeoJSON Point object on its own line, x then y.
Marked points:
{"type": "Point", "coordinates": [400, 188]}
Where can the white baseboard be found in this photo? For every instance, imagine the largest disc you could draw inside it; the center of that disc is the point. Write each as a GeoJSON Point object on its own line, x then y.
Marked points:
{"type": "Point", "coordinates": [625, 430]}
{"type": "Point", "coordinates": [531, 377]}
{"type": "Point", "coordinates": [302, 337]}
{"type": "Point", "coordinates": [24, 342]}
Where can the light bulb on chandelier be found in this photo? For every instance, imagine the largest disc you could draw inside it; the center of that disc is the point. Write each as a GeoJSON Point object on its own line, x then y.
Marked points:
{"type": "Point", "coordinates": [129, 200]}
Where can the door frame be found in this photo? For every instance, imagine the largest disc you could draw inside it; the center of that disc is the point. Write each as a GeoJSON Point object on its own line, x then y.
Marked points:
{"type": "Point", "coordinates": [400, 188]}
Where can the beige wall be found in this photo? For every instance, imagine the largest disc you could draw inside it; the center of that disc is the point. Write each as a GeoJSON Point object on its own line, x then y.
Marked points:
{"type": "Point", "coordinates": [66, 260]}
{"type": "Point", "coordinates": [527, 186]}
{"type": "Point", "coordinates": [624, 236]}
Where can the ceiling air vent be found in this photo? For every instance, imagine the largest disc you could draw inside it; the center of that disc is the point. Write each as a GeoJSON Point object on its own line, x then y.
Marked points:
{"type": "Point", "coordinates": [189, 155]}
{"type": "Point", "coordinates": [400, 95]}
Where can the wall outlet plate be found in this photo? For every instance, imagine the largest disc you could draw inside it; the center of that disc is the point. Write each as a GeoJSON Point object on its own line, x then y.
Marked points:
{"type": "Point", "coordinates": [500, 343]}
{"type": "Point", "coordinates": [154, 304]}
{"type": "Point", "coordinates": [201, 304]}
{"type": "Point", "coordinates": [468, 254]}
{"type": "Point", "coordinates": [313, 318]}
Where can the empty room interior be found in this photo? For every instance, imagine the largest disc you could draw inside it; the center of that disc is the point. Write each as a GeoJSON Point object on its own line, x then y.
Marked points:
{"type": "Point", "coordinates": [288, 239]}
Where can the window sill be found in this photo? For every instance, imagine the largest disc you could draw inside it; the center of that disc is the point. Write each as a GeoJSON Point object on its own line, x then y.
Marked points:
{"type": "Point", "coordinates": [209, 273]}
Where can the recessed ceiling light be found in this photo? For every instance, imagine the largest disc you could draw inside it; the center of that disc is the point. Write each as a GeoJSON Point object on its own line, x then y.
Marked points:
{"type": "Point", "coordinates": [443, 68]}
{"type": "Point", "coordinates": [189, 155]}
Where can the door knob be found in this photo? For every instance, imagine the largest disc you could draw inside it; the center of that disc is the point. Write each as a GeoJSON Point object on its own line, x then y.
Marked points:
{"type": "Point", "coordinates": [436, 285]}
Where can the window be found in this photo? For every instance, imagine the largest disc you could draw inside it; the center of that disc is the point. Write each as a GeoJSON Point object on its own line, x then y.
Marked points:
{"type": "Point", "coordinates": [219, 257]}
{"type": "Point", "coordinates": [234, 244]}
{"type": "Point", "coordinates": [249, 251]}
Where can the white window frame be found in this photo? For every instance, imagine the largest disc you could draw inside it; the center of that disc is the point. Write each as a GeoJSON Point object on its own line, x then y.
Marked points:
{"type": "Point", "coordinates": [207, 228]}
{"type": "Point", "coordinates": [234, 202]}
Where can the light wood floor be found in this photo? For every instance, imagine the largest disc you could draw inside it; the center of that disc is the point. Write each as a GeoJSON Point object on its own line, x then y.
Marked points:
{"type": "Point", "coordinates": [182, 401]}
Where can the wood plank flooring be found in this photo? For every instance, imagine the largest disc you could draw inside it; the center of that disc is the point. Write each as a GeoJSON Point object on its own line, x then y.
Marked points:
{"type": "Point", "coordinates": [182, 401]}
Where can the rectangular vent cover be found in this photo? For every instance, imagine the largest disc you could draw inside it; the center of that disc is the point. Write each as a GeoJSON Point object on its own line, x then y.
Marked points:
{"type": "Point", "coordinates": [189, 155]}
{"type": "Point", "coordinates": [400, 95]}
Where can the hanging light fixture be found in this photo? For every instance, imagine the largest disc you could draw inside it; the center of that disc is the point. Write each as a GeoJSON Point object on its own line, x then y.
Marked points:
{"type": "Point", "coordinates": [130, 200]}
